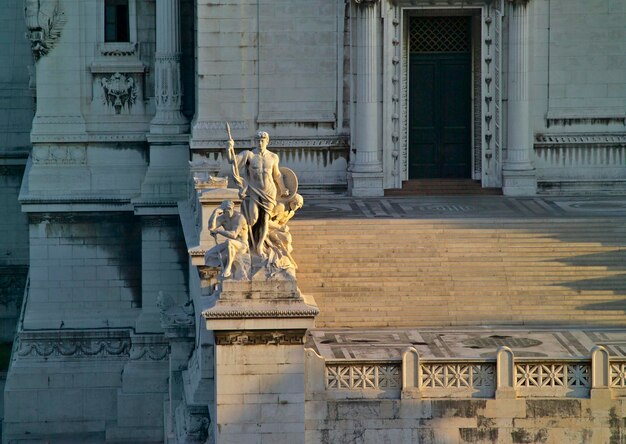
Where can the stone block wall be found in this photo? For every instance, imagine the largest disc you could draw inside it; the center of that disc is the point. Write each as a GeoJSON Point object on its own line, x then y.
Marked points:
{"type": "Point", "coordinates": [85, 271]}
{"type": "Point", "coordinates": [259, 393]}
{"type": "Point", "coordinates": [275, 67]}
{"type": "Point", "coordinates": [16, 115]}
{"type": "Point", "coordinates": [587, 58]}
{"type": "Point", "coordinates": [462, 421]}
{"type": "Point", "coordinates": [578, 95]}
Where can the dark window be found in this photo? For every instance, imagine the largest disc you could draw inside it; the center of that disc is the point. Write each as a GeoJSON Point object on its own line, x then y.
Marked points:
{"type": "Point", "coordinates": [116, 21]}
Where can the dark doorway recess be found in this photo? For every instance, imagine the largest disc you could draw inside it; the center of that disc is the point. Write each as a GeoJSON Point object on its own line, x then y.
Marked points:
{"type": "Point", "coordinates": [440, 80]}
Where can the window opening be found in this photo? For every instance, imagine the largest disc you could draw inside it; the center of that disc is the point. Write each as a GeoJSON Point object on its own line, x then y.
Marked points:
{"type": "Point", "coordinates": [116, 23]}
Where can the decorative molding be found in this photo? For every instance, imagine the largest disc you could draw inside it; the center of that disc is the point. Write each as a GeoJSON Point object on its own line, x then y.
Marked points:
{"type": "Point", "coordinates": [552, 375]}
{"type": "Point", "coordinates": [219, 125]}
{"type": "Point", "coordinates": [142, 351]}
{"type": "Point", "coordinates": [396, 108]}
{"type": "Point", "coordinates": [491, 106]}
{"type": "Point", "coordinates": [317, 142]}
{"type": "Point", "coordinates": [59, 154]}
{"type": "Point", "coordinates": [335, 142]}
{"type": "Point", "coordinates": [580, 139]}
{"type": "Point", "coordinates": [260, 337]}
{"type": "Point", "coordinates": [357, 376]}
{"type": "Point", "coordinates": [45, 20]}
{"type": "Point", "coordinates": [117, 49]}
{"type": "Point", "coordinates": [79, 217]}
{"type": "Point", "coordinates": [580, 155]}
{"type": "Point", "coordinates": [119, 91]}
{"type": "Point", "coordinates": [366, 2]}
{"type": "Point", "coordinates": [284, 312]}
{"type": "Point", "coordinates": [476, 376]}
{"type": "Point", "coordinates": [584, 120]}
{"type": "Point", "coordinates": [73, 345]}
{"type": "Point", "coordinates": [33, 199]}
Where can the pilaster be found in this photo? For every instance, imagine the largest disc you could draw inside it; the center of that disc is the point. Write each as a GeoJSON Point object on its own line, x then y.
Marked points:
{"type": "Point", "coordinates": [518, 172]}
{"type": "Point", "coordinates": [166, 179]}
{"type": "Point", "coordinates": [168, 91]}
{"type": "Point", "coordinates": [366, 176]}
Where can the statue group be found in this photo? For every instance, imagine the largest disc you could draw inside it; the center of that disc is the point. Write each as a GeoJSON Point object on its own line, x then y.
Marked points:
{"type": "Point", "coordinates": [257, 237]}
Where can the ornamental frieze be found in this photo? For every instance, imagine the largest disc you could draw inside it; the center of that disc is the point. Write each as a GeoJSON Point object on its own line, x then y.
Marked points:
{"type": "Point", "coordinates": [74, 345]}
{"type": "Point", "coordinates": [260, 337]}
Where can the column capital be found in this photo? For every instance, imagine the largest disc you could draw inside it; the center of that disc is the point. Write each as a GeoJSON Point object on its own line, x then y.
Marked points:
{"type": "Point", "coordinates": [366, 2]}
{"type": "Point", "coordinates": [519, 2]}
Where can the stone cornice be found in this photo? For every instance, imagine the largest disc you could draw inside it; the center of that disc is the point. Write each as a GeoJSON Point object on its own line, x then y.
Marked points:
{"type": "Point", "coordinates": [278, 311]}
{"type": "Point", "coordinates": [366, 2]}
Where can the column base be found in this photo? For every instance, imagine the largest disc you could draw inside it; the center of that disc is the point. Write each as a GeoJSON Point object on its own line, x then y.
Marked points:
{"type": "Point", "coordinates": [519, 183]}
{"type": "Point", "coordinates": [365, 184]}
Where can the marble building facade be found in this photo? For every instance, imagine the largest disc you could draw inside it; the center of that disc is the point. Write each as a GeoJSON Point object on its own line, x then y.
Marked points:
{"type": "Point", "coordinates": [118, 96]}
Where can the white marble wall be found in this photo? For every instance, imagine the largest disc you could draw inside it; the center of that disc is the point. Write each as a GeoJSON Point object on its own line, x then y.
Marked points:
{"type": "Point", "coordinates": [578, 94]}
{"type": "Point", "coordinates": [277, 67]}
{"type": "Point", "coordinates": [260, 394]}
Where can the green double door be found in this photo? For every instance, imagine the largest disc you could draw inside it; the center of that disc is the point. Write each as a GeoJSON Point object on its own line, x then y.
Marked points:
{"type": "Point", "coordinates": [440, 115]}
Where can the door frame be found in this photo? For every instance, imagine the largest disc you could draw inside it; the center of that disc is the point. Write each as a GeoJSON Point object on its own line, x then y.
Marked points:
{"type": "Point", "coordinates": [486, 85]}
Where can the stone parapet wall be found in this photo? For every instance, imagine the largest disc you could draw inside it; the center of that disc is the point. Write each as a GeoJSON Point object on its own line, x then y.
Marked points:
{"type": "Point", "coordinates": [465, 421]}
{"type": "Point", "coordinates": [438, 400]}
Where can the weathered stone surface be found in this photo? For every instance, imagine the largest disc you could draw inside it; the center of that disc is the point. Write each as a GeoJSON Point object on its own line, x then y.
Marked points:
{"type": "Point", "coordinates": [555, 408]}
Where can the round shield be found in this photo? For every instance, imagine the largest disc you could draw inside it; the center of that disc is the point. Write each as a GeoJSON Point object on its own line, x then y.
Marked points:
{"type": "Point", "coordinates": [291, 182]}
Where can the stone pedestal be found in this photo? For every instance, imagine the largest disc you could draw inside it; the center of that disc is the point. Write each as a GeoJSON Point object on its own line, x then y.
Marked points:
{"type": "Point", "coordinates": [259, 329]}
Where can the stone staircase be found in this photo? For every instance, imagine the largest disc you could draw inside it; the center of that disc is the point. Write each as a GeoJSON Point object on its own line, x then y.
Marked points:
{"type": "Point", "coordinates": [416, 272]}
{"type": "Point", "coordinates": [442, 187]}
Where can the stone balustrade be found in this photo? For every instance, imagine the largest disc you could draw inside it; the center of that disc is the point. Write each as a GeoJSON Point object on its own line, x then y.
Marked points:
{"type": "Point", "coordinates": [502, 376]}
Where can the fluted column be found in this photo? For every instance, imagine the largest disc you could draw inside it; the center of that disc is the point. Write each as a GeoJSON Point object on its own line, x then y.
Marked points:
{"type": "Point", "coordinates": [518, 172]}
{"type": "Point", "coordinates": [167, 83]}
{"type": "Point", "coordinates": [367, 166]}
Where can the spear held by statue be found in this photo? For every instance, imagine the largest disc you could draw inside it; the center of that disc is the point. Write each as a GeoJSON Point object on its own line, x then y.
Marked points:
{"type": "Point", "coordinates": [232, 158]}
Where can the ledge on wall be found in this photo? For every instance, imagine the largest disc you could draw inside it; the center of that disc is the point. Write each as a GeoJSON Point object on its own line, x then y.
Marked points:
{"type": "Point", "coordinates": [581, 187]}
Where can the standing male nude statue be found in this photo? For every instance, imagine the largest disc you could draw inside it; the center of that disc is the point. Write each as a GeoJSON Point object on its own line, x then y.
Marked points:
{"type": "Point", "coordinates": [260, 183]}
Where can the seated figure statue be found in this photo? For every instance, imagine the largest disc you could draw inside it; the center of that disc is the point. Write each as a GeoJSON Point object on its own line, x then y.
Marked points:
{"type": "Point", "coordinates": [230, 224]}
{"type": "Point", "coordinates": [279, 238]}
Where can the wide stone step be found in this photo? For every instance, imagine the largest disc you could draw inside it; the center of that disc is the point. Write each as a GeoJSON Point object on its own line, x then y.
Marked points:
{"type": "Point", "coordinates": [390, 272]}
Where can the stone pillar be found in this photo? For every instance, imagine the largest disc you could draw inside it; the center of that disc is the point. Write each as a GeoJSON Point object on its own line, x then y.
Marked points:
{"type": "Point", "coordinates": [367, 172]}
{"type": "Point", "coordinates": [259, 329]}
{"type": "Point", "coordinates": [518, 173]}
{"type": "Point", "coordinates": [166, 178]}
{"type": "Point", "coordinates": [168, 91]}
